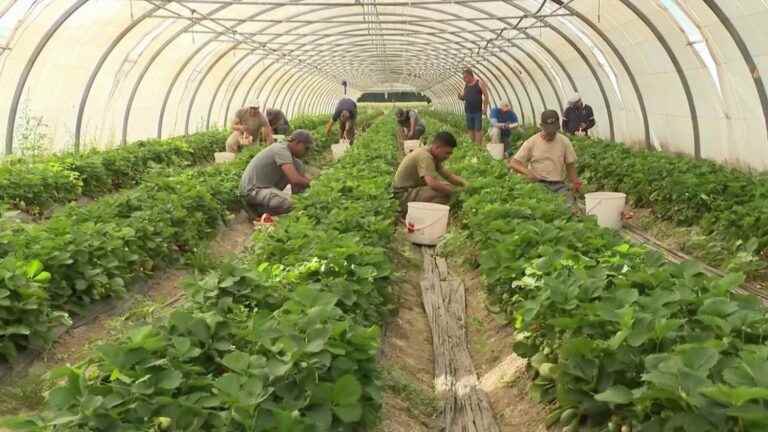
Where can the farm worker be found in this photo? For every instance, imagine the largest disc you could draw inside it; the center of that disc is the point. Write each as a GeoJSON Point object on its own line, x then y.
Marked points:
{"type": "Point", "coordinates": [274, 168]}
{"type": "Point", "coordinates": [548, 158]}
{"type": "Point", "coordinates": [421, 176]}
{"type": "Point", "coordinates": [503, 122]}
{"type": "Point", "coordinates": [578, 118]}
{"type": "Point", "coordinates": [278, 122]}
{"type": "Point", "coordinates": [476, 101]}
{"type": "Point", "coordinates": [411, 125]}
{"type": "Point", "coordinates": [346, 115]}
{"type": "Point", "coordinates": [246, 126]}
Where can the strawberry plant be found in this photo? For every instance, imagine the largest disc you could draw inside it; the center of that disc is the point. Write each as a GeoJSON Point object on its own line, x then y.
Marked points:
{"type": "Point", "coordinates": [619, 337]}
{"type": "Point", "coordinates": [284, 338]}
{"type": "Point", "coordinates": [37, 184]}
{"type": "Point", "coordinates": [725, 202]}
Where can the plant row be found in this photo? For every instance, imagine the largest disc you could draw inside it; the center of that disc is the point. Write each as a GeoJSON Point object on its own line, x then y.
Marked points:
{"type": "Point", "coordinates": [619, 337]}
{"type": "Point", "coordinates": [282, 339]}
{"type": "Point", "coordinates": [34, 185]}
{"type": "Point", "coordinates": [94, 252]}
{"type": "Point", "coordinates": [721, 200]}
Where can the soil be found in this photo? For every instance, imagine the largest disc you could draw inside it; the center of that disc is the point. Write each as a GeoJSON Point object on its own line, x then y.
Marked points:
{"type": "Point", "coordinates": [503, 374]}
{"type": "Point", "coordinates": [406, 355]}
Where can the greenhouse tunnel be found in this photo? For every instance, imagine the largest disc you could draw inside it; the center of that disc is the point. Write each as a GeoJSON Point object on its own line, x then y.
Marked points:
{"type": "Point", "coordinates": [681, 76]}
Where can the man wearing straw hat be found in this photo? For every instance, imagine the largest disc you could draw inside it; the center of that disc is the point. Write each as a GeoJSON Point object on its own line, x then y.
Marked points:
{"type": "Point", "coordinates": [249, 122]}
{"type": "Point", "coordinates": [578, 118]}
{"type": "Point", "coordinates": [548, 158]}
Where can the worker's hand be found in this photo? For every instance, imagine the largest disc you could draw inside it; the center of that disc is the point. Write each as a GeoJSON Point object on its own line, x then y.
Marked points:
{"type": "Point", "coordinates": [577, 184]}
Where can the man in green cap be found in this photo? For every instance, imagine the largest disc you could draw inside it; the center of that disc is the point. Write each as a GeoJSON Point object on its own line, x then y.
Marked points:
{"type": "Point", "coordinates": [548, 158]}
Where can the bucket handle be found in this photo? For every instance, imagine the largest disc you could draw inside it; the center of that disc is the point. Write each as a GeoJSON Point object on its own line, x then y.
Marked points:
{"type": "Point", "coordinates": [413, 228]}
{"type": "Point", "coordinates": [589, 210]}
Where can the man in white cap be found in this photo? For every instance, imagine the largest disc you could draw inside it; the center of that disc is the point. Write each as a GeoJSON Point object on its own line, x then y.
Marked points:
{"type": "Point", "coordinates": [503, 122]}
{"type": "Point", "coordinates": [249, 122]}
{"type": "Point", "coordinates": [548, 158]}
{"type": "Point", "coordinates": [578, 118]}
{"type": "Point", "coordinates": [274, 168]}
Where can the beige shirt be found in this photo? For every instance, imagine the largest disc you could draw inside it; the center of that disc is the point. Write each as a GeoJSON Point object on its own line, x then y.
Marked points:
{"type": "Point", "coordinates": [253, 124]}
{"type": "Point", "coordinates": [414, 167]}
{"type": "Point", "coordinates": [547, 159]}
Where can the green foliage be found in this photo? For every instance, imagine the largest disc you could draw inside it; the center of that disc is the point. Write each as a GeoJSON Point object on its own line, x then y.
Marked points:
{"type": "Point", "coordinates": [614, 331]}
{"type": "Point", "coordinates": [725, 202]}
{"type": "Point", "coordinates": [284, 339]}
{"type": "Point", "coordinates": [36, 184]}
{"type": "Point", "coordinates": [94, 252]}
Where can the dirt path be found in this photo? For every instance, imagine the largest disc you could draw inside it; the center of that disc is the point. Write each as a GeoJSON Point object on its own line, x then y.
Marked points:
{"type": "Point", "coordinates": [410, 404]}
{"type": "Point", "coordinates": [502, 373]}
{"type": "Point", "coordinates": [20, 392]}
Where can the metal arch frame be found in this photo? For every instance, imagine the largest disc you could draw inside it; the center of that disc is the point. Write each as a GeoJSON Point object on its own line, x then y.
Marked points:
{"type": "Point", "coordinates": [498, 57]}
{"type": "Point", "coordinates": [584, 58]}
{"type": "Point", "coordinates": [200, 83]}
{"type": "Point", "coordinates": [680, 72]}
{"type": "Point", "coordinates": [627, 70]}
{"type": "Point", "coordinates": [543, 72]}
{"type": "Point", "coordinates": [189, 59]}
{"type": "Point", "coordinates": [304, 84]}
{"type": "Point", "coordinates": [9, 137]}
{"type": "Point", "coordinates": [494, 88]}
{"type": "Point", "coordinates": [264, 76]}
{"type": "Point", "coordinates": [282, 91]}
{"type": "Point", "coordinates": [501, 58]}
{"type": "Point", "coordinates": [746, 55]}
{"type": "Point", "coordinates": [231, 70]}
{"type": "Point", "coordinates": [50, 33]}
{"type": "Point", "coordinates": [148, 65]}
{"type": "Point", "coordinates": [41, 44]}
{"type": "Point", "coordinates": [74, 8]}
{"type": "Point", "coordinates": [516, 60]}
{"type": "Point", "coordinates": [97, 69]}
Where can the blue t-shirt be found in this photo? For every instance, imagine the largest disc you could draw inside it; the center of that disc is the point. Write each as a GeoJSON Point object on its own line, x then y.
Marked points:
{"type": "Point", "coordinates": [503, 117]}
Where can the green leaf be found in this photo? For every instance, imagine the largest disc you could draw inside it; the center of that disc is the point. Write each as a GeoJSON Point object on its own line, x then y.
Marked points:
{"type": "Point", "coordinates": [615, 395]}
{"type": "Point", "coordinates": [321, 416]}
{"type": "Point", "coordinates": [735, 396]}
{"type": "Point", "coordinates": [317, 338]}
{"type": "Point", "coordinates": [229, 384]}
{"type": "Point", "coordinates": [63, 397]}
{"type": "Point", "coordinates": [349, 413]}
{"type": "Point", "coordinates": [347, 390]}
{"type": "Point", "coordinates": [33, 268]}
{"type": "Point", "coordinates": [237, 361]}
{"type": "Point", "coordinates": [169, 379]}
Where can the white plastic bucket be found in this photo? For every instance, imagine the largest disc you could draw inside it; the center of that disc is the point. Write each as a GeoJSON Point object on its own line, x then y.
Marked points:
{"type": "Point", "coordinates": [496, 150]}
{"type": "Point", "coordinates": [224, 157]}
{"type": "Point", "coordinates": [339, 150]}
{"type": "Point", "coordinates": [607, 206]}
{"type": "Point", "coordinates": [411, 145]}
{"type": "Point", "coordinates": [426, 223]}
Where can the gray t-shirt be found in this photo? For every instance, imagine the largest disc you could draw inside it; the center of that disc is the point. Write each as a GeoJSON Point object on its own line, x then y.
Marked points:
{"type": "Point", "coordinates": [264, 170]}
